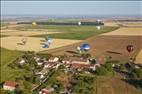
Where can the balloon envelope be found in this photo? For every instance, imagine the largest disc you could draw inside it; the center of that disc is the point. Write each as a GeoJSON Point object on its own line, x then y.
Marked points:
{"type": "Point", "coordinates": [130, 48]}
{"type": "Point", "coordinates": [34, 23]}
{"type": "Point", "coordinates": [79, 23]}
{"type": "Point", "coordinates": [98, 27]}
{"type": "Point", "coordinates": [85, 47]}
{"type": "Point", "coordinates": [50, 40]}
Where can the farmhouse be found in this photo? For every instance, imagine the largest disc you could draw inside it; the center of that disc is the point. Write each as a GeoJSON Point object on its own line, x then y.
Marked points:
{"type": "Point", "coordinates": [9, 85]}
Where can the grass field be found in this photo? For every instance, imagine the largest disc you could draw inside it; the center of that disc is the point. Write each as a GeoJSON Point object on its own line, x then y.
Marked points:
{"type": "Point", "coordinates": [7, 57]}
{"type": "Point", "coordinates": [76, 32]}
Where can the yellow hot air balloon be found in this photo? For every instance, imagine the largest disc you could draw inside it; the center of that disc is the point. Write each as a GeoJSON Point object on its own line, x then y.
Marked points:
{"type": "Point", "coordinates": [34, 23]}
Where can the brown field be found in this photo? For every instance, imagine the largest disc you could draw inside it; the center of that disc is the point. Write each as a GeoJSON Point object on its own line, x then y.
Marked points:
{"type": "Point", "coordinates": [33, 44]}
{"type": "Point", "coordinates": [113, 42]}
{"type": "Point", "coordinates": [115, 85]}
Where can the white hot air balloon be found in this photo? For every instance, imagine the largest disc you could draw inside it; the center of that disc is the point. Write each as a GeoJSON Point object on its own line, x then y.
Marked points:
{"type": "Point", "coordinates": [79, 23]}
{"type": "Point", "coordinates": [98, 27]}
{"type": "Point", "coordinates": [79, 49]}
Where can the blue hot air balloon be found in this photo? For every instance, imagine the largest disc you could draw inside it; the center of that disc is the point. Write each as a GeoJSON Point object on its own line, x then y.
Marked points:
{"type": "Point", "coordinates": [85, 47]}
{"type": "Point", "coordinates": [49, 40]}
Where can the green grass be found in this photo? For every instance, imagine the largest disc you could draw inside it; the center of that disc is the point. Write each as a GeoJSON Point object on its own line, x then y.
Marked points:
{"type": "Point", "coordinates": [68, 31]}
{"type": "Point", "coordinates": [74, 32]}
{"type": "Point", "coordinates": [7, 57]}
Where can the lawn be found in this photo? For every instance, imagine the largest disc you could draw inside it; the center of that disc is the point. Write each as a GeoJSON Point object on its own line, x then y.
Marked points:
{"type": "Point", "coordinates": [7, 57]}
{"type": "Point", "coordinates": [69, 32]}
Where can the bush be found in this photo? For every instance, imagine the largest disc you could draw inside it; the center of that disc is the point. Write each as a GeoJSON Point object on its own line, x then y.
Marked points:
{"type": "Point", "coordinates": [108, 66]}
{"type": "Point", "coordinates": [137, 73]}
{"type": "Point", "coordinates": [101, 71]}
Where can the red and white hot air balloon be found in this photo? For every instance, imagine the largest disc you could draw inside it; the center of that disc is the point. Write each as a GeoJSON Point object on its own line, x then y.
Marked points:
{"type": "Point", "coordinates": [130, 48]}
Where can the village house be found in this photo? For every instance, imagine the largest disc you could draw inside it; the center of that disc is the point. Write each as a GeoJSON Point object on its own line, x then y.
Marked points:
{"type": "Point", "coordinates": [40, 61]}
{"type": "Point", "coordinates": [79, 60]}
{"type": "Point", "coordinates": [9, 85]}
{"type": "Point", "coordinates": [66, 60]}
{"type": "Point", "coordinates": [53, 59]}
{"type": "Point", "coordinates": [21, 62]}
{"type": "Point", "coordinates": [49, 65]}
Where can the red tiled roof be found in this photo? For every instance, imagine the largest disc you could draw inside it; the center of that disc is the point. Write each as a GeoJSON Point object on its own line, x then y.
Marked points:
{"type": "Point", "coordinates": [46, 91]}
{"type": "Point", "coordinates": [10, 83]}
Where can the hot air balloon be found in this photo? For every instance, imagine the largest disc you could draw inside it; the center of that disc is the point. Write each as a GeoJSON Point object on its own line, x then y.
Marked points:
{"type": "Point", "coordinates": [79, 49]}
{"type": "Point", "coordinates": [49, 40]}
{"type": "Point", "coordinates": [79, 23]}
{"type": "Point", "coordinates": [130, 48]}
{"type": "Point", "coordinates": [34, 23]}
{"type": "Point", "coordinates": [98, 27]}
{"type": "Point", "coordinates": [85, 47]}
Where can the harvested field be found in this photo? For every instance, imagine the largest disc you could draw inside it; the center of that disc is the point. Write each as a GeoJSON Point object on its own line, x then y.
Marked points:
{"type": "Point", "coordinates": [33, 44]}
{"type": "Point", "coordinates": [30, 32]}
{"type": "Point", "coordinates": [110, 24]}
{"type": "Point", "coordinates": [139, 58]}
{"type": "Point", "coordinates": [126, 31]}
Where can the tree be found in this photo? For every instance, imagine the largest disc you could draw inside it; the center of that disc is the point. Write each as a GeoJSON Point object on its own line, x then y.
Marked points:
{"type": "Point", "coordinates": [93, 61]}
{"type": "Point", "coordinates": [101, 71]}
{"type": "Point", "coordinates": [17, 90]}
{"type": "Point", "coordinates": [108, 66]}
{"type": "Point", "coordinates": [137, 72]}
{"type": "Point", "coordinates": [123, 67]}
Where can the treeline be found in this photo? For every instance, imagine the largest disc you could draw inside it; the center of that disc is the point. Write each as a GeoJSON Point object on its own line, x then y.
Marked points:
{"type": "Point", "coordinates": [64, 23]}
